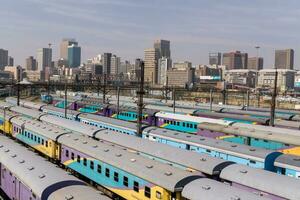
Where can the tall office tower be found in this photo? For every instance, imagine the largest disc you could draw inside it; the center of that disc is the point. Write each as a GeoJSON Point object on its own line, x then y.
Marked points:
{"type": "Point", "coordinates": [31, 64]}
{"type": "Point", "coordinates": [10, 61]}
{"type": "Point", "coordinates": [163, 47]}
{"type": "Point", "coordinates": [136, 69]}
{"type": "Point", "coordinates": [235, 60]}
{"type": "Point", "coordinates": [64, 47]}
{"type": "Point", "coordinates": [215, 58]}
{"type": "Point", "coordinates": [151, 65]}
{"type": "Point", "coordinates": [115, 63]}
{"type": "Point", "coordinates": [256, 63]}
{"type": "Point", "coordinates": [164, 64]}
{"type": "Point", "coordinates": [3, 58]}
{"type": "Point", "coordinates": [106, 62]}
{"type": "Point", "coordinates": [74, 56]}
{"type": "Point", "coordinates": [44, 58]}
{"type": "Point", "coordinates": [284, 59]}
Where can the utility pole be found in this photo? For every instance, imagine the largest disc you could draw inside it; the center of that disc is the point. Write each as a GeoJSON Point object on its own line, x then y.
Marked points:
{"type": "Point", "coordinates": [248, 99]}
{"type": "Point", "coordinates": [66, 90]}
{"type": "Point", "coordinates": [118, 101]}
{"type": "Point", "coordinates": [18, 93]}
{"type": "Point", "coordinates": [273, 102]}
{"type": "Point", "coordinates": [167, 89]}
{"type": "Point", "coordinates": [174, 99]}
{"type": "Point", "coordinates": [140, 105]}
{"type": "Point", "coordinates": [104, 89]}
{"type": "Point", "coordinates": [98, 86]}
{"type": "Point", "coordinates": [210, 99]}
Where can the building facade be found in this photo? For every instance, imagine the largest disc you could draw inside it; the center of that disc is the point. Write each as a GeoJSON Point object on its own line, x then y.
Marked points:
{"type": "Point", "coordinates": [164, 64]}
{"type": "Point", "coordinates": [163, 47]}
{"type": "Point", "coordinates": [241, 77]}
{"type": "Point", "coordinates": [181, 77]}
{"type": "Point", "coordinates": [235, 60]}
{"type": "Point", "coordinates": [64, 47]}
{"type": "Point", "coordinates": [284, 59]}
{"type": "Point", "coordinates": [215, 58]}
{"type": "Point", "coordinates": [31, 64]}
{"type": "Point", "coordinates": [3, 58]}
{"type": "Point", "coordinates": [255, 63]}
{"type": "Point", "coordinates": [204, 73]}
{"type": "Point", "coordinates": [44, 58]}
{"type": "Point", "coordinates": [17, 72]}
{"type": "Point", "coordinates": [10, 61]}
{"type": "Point", "coordinates": [106, 62]}
{"type": "Point", "coordinates": [74, 56]}
{"type": "Point", "coordinates": [182, 65]}
{"type": "Point", "coordinates": [285, 79]}
{"type": "Point", "coordinates": [151, 65]}
{"type": "Point", "coordinates": [115, 65]}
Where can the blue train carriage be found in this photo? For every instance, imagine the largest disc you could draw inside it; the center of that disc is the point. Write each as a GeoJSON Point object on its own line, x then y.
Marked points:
{"type": "Point", "coordinates": [47, 98]}
{"type": "Point", "coordinates": [40, 136]}
{"type": "Point", "coordinates": [288, 165]}
{"type": "Point", "coordinates": [183, 123]}
{"type": "Point", "coordinates": [238, 153]}
{"type": "Point", "coordinates": [261, 182]}
{"type": "Point", "coordinates": [126, 174]}
{"type": "Point", "coordinates": [25, 175]}
{"type": "Point", "coordinates": [59, 112]}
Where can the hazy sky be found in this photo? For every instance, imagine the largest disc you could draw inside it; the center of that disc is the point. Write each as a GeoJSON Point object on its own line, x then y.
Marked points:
{"type": "Point", "coordinates": [127, 27]}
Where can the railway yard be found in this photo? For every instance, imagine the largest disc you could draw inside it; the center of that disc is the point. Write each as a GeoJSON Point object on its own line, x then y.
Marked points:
{"type": "Point", "coordinates": [84, 147]}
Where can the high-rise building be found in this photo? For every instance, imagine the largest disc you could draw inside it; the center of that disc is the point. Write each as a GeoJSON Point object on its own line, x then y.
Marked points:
{"type": "Point", "coordinates": [106, 62]}
{"type": "Point", "coordinates": [64, 47]}
{"type": "Point", "coordinates": [164, 64]}
{"type": "Point", "coordinates": [44, 58]}
{"type": "Point", "coordinates": [31, 64]}
{"type": "Point", "coordinates": [235, 60]}
{"type": "Point", "coordinates": [151, 65]}
{"type": "Point", "coordinates": [74, 56]}
{"type": "Point", "coordinates": [136, 70]}
{"type": "Point", "coordinates": [16, 71]}
{"type": "Point", "coordinates": [3, 58]}
{"type": "Point", "coordinates": [125, 67]}
{"type": "Point", "coordinates": [215, 58]}
{"type": "Point", "coordinates": [163, 47]}
{"type": "Point", "coordinates": [284, 59]}
{"type": "Point", "coordinates": [115, 63]}
{"type": "Point", "coordinates": [255, 63]}
{"type": "Point", "coordinates": [10, 61]}
{"type": "Point", "coordinates": [182, 65]}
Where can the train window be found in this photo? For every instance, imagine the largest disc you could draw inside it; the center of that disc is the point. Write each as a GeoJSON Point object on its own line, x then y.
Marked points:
{"type": "Point", "coordinates": [72, 156]}
{"type": "Point", "coordinates": [178, 123]}
{"type": "Point", "coordinates": [266, 141]}
{"type": "Point", "coordinates": [78, 158]}
{"type": "Point", "coordinates": [125, 181]}
{"type": "Point", "coordinates": [208, 151]}
{"type": "Point", "coordinates": [67, 153]}
{"type": "Point", "coordinates": [158, 195]}
{"type": "Point", "coordinates": [107, 172]}
{"type": "Point", "coordinates": [195, 126]}
{"type": "Point", "coordinates": [25, 134]}
{"type": "Point", "coordinates": [183, 124]}
{"type": "Point", "coordinates": [31, 136]}
{"type": "Point", "coordinates": [99, 169]}
{"type": "Point", "coordinates": [35, 138]}
{"type": "Point", "coordinates": [42, 141]}
{"type": "Point", "coordinates": [165, 121]}
{"type": "Point", "coordinates": [84, 162]}
{"type": "Point", "coordinates": [147, 192]}
{"type": "Point", "coordinates": [39, 140]}
{"type": "Point", "coordinates": [135, 186]}
{"type": "Point", "coordinates": [92, 165]}
{"type": "Point", "coordinates": [116, 176]}
{"type": "Point", "coordinates": [46, 143]}
{"type": "Point", "coordinates": [252, 161]}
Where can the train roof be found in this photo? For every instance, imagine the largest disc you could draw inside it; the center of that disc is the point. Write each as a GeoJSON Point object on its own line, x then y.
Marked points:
{"type": "Point", "coordinates": [190, 118]}
{"type": "Point", "coordinates": [239, 150]}
{"type": "Point", "coordinates": [250, 131]}
{"type": "Point", "coordinates": [34, 171]}
{"type": "Point", "coordinates": [110, 121]}
{"type": "Point", "coordinates": [153, 171]}
{"type": "Point", "coordinates": [28, 112]}
{"type": "Point", "coordinates": [133, 109]}
{"type": "Point", "coordinates": [60, 110]}
{"type": "Point", "coordinates": [208, 189]}
{"type": "Point", "coordinates": [288, 161]}
{"type": "Point", "coordinates": [5, 105]}
{"type": "Point", "coordinates": [194, 161]}
{"type": "Point", "coordinates": [47, 130]}
{"type": "Point", "coordinates": [277, 110]}
{"type": "Point", "coordinates": [276, 184]}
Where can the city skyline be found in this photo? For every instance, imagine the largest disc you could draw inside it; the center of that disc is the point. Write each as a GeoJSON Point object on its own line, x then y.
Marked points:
{"type": "Point", "coordinates": [126, 27]}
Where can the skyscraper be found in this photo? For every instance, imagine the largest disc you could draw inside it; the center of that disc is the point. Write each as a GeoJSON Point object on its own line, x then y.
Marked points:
{"type": "Point", "coordinates": [284, 59]}
{"type": "Point", "coordinates": [235, 60]}
{"type": "Point", "coordinates": [215, 58]}
{"type": "Point", "coordinates": [74, 56]}
{"type": "Point", "coordinates": [115, 63]}
{"type": "Point", "coordinates": [151, 65]}
{"type": "Point", "coordinates": [255, 63]}
{"type": "Point", "coordinates": [64, 47]}
{"type": "Point", "coordinates": [163, 47]}
{"type": "Point", "coordinates": [31, 64]}
{"type": "Point", "coordinates": [10, 61]}
{"type": "Point", "coordinates": [106, 63]}
{"type": "Point", "coordinates": [44, 58]}
{"type": "Point", "coordinates": [3, 58]}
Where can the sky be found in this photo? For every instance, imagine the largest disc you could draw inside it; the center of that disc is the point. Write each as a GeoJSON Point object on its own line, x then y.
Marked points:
{"type": "Point", "coordinates": [127, 27]}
